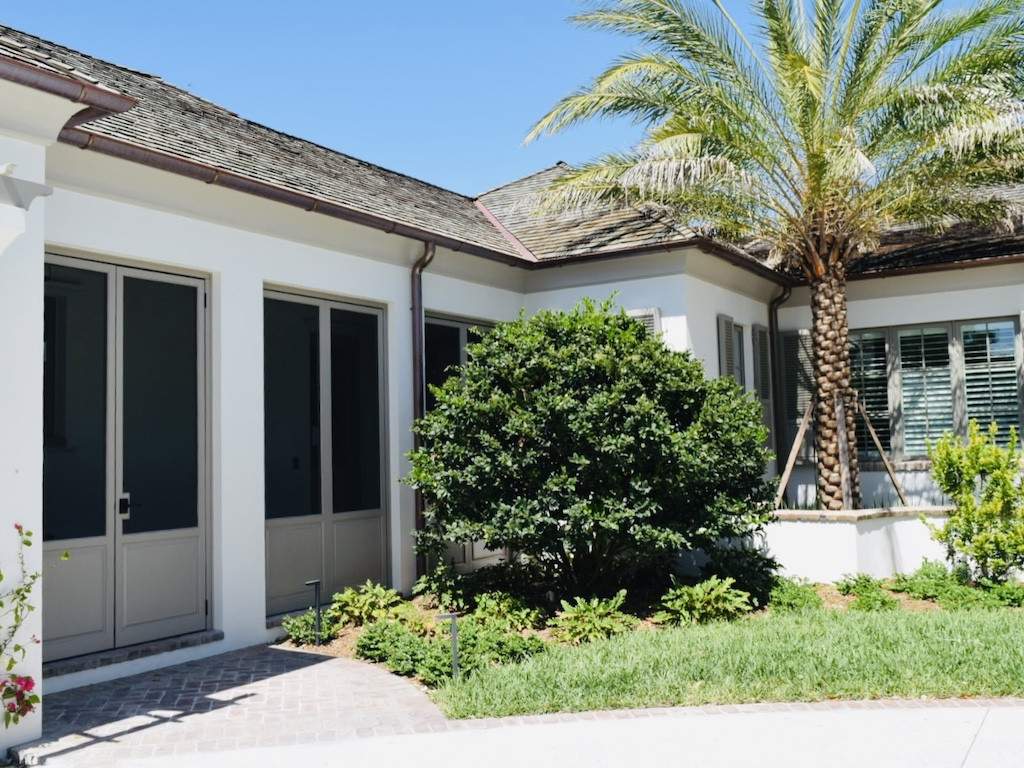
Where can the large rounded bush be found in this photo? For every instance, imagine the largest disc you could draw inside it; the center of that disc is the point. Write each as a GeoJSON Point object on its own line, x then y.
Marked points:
{"type": "Point", "coordinates": [584, 445]}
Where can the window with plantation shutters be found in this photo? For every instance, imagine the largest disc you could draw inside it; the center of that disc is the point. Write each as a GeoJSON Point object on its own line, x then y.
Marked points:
{"type": "Point", "coordinates": [649, 318]}
{"type": "Point", "coordinates": [926, 387]}
{"type": "Point", "coordinates": [990, 373]}
{"type": "Point", "coordinates": [868, 361]}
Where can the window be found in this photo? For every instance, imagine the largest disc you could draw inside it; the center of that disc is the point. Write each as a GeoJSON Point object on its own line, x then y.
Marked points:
{"type": "Point", "coordinates": [918, 382]}
{"type": "Point", "coordinates": [761, 349]}
{"type": "Point", "coordinates": [868, 361]}
{"type": "Point", "coordinates": [649, 318]}
{"type": "Point", "coordinates": [731, 355]}
{"type": "Point", "coordinates": [444, 348]}
{"type": "Point", "coordinates": [926, 388]}
{"type": "Point", "coordinates": [990, 374]}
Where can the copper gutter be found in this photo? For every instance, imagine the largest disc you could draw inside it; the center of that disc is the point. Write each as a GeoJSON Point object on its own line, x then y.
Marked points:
{"type": "Point", "coordinates": [103, 99]}
{"type": "Point", "coordinates": [419, 378]}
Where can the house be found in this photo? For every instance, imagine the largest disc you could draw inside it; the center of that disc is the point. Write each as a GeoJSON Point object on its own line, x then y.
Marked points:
{"type": "Point", "coordinates": [210, 356]}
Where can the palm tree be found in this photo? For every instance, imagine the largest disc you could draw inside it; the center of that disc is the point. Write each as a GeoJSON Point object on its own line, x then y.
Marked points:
{"type": "Point", "coordinates": [835, 121]}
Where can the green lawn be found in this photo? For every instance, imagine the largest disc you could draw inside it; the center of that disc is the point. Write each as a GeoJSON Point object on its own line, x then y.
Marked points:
{"type": "Point", "coordinates": [819, 655]}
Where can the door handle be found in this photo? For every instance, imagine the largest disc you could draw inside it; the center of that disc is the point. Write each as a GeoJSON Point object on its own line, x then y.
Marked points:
{"type": "Point", "coordinates": [124, 506]}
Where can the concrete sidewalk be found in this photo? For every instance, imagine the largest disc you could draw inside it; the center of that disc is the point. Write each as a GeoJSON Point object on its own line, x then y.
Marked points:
{"type": "Point", "coordinates": [933, 736]}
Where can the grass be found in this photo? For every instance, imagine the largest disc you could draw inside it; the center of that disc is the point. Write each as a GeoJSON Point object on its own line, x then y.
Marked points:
{"type": "Point", "coordinates": [773, 657]}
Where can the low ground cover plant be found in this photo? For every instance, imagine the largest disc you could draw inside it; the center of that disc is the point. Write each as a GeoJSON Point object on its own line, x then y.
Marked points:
{"type": "Point", "coordinates": [583, 620]}
{"type": "Point", "coordinates": [713, 599]}
{"type": "Point", "coordinates": [952, 590]}
{"type": "Point", "coordinates": [800, 656]}
{"type": "Point", "coordinates": [794, 595]}
{"type": "Point", "coordinates": [356, 606]}
{"type": "Point", "coordinates": [868, 592]}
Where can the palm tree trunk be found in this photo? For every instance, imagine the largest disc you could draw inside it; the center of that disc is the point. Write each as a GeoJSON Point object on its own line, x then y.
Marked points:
{"type": "Point", "coordinates": [832, 374]}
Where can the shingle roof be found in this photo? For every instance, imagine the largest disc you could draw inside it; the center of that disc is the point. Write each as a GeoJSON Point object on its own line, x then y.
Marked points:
{"type": "Point", "coordinates": [154, 119]}
{"type": "Point", "coordinates": [175, 122]}
{"type": "Point", "coordinates": [567, 235]}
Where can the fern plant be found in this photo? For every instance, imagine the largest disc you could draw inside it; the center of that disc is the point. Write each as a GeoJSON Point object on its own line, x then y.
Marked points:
{"type": "Point", "coordinates": [713, 599]}
{"type": "Point", "coordinates": [583, 621]}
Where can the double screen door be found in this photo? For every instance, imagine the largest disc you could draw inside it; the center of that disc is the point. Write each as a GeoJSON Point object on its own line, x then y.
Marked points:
{"type": "Point", "coordinates": [324, 447]}
{"type": "Point", "coordinates": [124, 468]}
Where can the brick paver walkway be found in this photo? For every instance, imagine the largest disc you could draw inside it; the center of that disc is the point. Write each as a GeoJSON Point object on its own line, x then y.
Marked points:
{"type": "Point", "coordinates": [262, 696]}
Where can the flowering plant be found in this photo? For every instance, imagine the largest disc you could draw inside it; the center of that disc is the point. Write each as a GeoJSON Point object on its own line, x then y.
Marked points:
{"type": "Point", "coordinates": [16, 691]}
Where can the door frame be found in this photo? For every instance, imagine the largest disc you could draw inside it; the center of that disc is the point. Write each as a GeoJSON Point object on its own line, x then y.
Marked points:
{"type": "Point", "coordinates": [116, 271]}
{"type": "Point", "coordinates": [324, 305]}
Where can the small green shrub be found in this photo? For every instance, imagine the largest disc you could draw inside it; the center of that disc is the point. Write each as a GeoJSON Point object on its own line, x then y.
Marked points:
{"type": "Point", "coordinates": [985, 530]}
{"type": "Point", "coordinates": [1009, 593]}
{"type": "Point", "coordinates": [926, 583]}
{"type": "Point", "coordinates": [586, 620]}
{"type": "Point", "coordinates": [357, 606]}
{"type": "Point", "coordinates": [868, 593]}
{"type": "Point", "coordinates": [713, 599]}
{"type": "Point", "coordinates": [794, 595]}
{"type": "Point", "coordinates": [751, 570]}
{"type": "Point", "coordinates": [856, 584]}
{"type": "Point", "coordinates": [960, 597]}
{"type": "Point", "coordinates": [429, 658]}
{"type": "Point", "coordinates": [301, 629]}
{"type": "Point", "coordinates": [874, 599]}
{"type": "Point", "coordinates": [505, 611]}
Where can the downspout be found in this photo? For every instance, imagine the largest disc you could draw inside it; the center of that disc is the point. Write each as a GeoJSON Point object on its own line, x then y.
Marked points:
{"type": "Point", "coordinates": [778, 407]}
{"type": "Point", "coordinates": [419, 386]}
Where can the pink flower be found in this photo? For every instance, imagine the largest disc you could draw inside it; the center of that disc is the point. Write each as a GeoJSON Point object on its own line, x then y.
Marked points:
{"type": "Point", "coordinates": [11, 707]}
{"type": "Point", "coordinates": [25, 683]}
{"type": "Point", "coordinates": [18, 527]}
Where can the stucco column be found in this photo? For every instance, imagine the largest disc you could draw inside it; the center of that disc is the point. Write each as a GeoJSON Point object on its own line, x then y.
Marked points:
{"type": "Point", "coordinates": [237, 524]}
{"type": "Point", "coordinates": [21, 398]}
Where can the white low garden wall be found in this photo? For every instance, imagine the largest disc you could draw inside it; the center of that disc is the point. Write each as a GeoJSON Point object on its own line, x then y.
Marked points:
{"type": "Point", "coordinates": [825, 546]}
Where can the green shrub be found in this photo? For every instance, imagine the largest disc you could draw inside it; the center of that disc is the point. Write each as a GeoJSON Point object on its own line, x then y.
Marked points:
{"type": "Point", "coordinates": [585, 620]}
{"type": "Point", "coordinates": [581, 442]}
{"type": "Point", "coordinates": [301, 629]}
{"type": "Point", "coordinates": [794, 595]}
{"type": "Point", "coordinates": [960, 597]}
{"type": "Point", "coordinates": [926, 583]}
{"type": "Point", "coordinates": [429, 658]}
{"type": "Point", "coordinates": [1009, 593]}
{"type": "Point", "coordinates": [985, 530]}
{"type": "Point", "coordinates": [356, 606]}
{"type": "Point", "coordinates": [505, 611]}
{"type": "Point", "coordinates": [874, 599]}
{"type": "Point", "coordinates": [751, 570]}
{"type": "Point", "coordinates": [713, 599]}
{"type": "Point", "coordinates": [868, 593]}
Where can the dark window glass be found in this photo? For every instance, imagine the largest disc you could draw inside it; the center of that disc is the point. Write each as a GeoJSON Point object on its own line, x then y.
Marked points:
{"type": "Point", "coordinates": [161, 401]}
{"type": "Point", "coordinates": [355, 410]}
{"type": "Point", "coordinates": [74, 403]}
{"type": "Point", "coordinates": [291, 365]}
{"type": "Point", "coordinates": [442, 350]}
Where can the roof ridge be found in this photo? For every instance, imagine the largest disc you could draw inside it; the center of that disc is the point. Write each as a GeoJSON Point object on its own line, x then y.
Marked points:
{"type": "Point", "coordinates": [557, 164]}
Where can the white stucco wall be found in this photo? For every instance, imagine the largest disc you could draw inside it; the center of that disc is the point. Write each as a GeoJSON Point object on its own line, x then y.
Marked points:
{"type": "Point", "coordinates": [28, 126]}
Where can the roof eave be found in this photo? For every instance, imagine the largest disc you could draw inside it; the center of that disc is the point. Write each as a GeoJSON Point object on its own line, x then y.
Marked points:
{"type": "Point", "coordinates": [101, 99]}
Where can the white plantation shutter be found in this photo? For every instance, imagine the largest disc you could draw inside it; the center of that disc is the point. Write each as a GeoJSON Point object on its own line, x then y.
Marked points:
{"type": "Point", "coordinates": [990, 374]}
{"type": "Point", "coordinates": [868, 362]}
{"type": "Point", "coordinates": [649, 318]}
{"type": "Point", "coordinates": [726, 346]}
{"type": "Point", "coordinates": [797, 390]}
{"type": "Point", "coordinates": [926, 387]}
{"type": "Point", "coordinates": [763, 374]}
